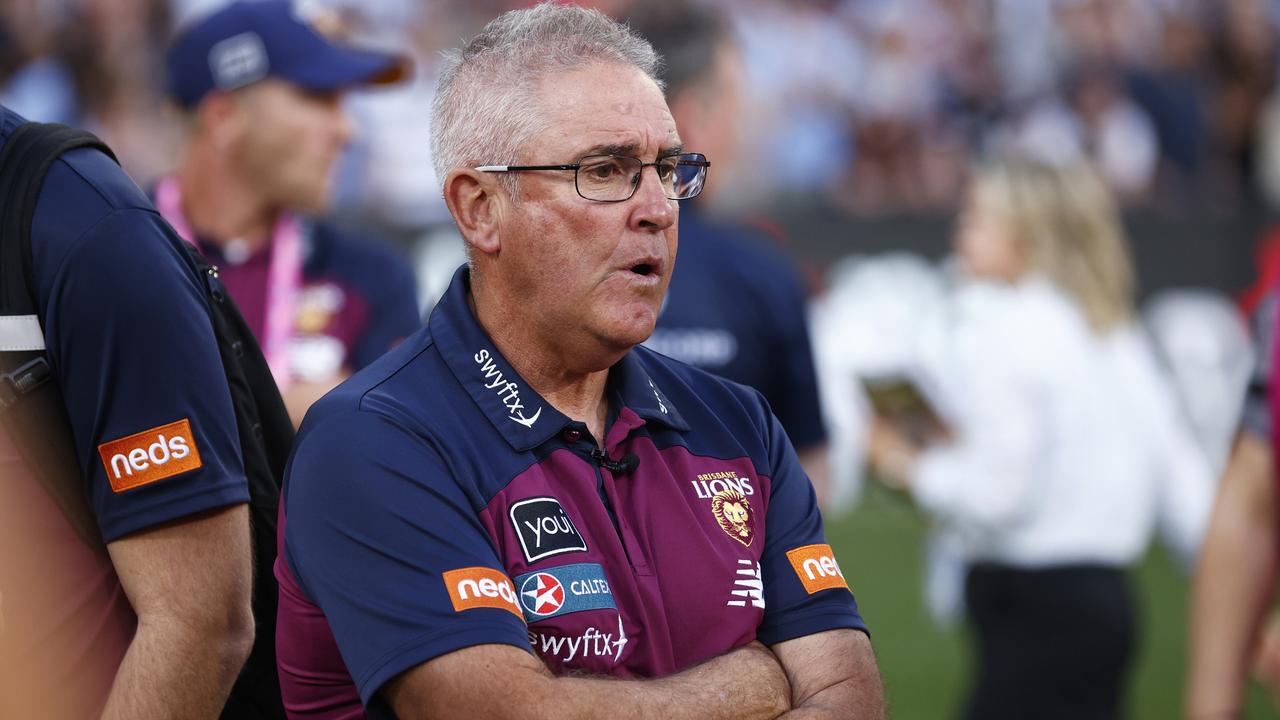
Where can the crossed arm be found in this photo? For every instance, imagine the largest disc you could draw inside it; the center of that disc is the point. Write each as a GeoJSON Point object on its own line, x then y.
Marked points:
{"type": "Point", "coordinates": [826, 675]}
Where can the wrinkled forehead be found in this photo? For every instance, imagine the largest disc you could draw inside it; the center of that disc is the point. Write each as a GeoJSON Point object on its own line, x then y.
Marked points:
{"type": "Point", "coordinates": [601, 109]}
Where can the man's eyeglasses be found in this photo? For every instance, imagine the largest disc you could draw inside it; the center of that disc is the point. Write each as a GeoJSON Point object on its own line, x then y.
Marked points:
{"type": "Point", "coordinates": [614, 178]}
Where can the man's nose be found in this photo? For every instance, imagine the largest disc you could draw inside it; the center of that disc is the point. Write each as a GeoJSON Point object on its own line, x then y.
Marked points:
{"type": "Point", "coordinates": [653, 210]}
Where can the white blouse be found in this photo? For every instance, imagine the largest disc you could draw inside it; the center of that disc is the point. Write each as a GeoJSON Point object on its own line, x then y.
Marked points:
{"type": "Point", "coordinates": [1069, 447]}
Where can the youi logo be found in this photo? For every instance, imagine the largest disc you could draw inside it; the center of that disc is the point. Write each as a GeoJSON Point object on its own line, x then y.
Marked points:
{"type": "Point", "coordinates": [508, 392]}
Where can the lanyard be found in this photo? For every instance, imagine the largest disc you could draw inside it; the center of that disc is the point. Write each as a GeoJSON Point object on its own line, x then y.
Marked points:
{"type": "Point", "coordinates": [284, 276]}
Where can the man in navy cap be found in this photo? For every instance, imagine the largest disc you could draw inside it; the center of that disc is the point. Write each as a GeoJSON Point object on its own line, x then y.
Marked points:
{"type": "Point", "coordinates": [262, 91]}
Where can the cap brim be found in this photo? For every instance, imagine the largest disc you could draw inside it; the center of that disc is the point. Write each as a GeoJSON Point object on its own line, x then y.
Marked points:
{"type": "Point", "coordinates": [338, 68]}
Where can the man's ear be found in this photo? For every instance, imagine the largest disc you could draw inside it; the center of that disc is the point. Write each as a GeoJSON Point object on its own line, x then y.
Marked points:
{"type": "Point", "coordinates": [474, 202]}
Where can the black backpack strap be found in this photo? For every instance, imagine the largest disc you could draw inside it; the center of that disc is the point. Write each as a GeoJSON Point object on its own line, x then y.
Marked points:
{"type": "Point", "coordinates": [31, 404]}
{"type": "Point", "coordinates": [266, 434]}
{"type": "Point", "coordinates": [24, 161]}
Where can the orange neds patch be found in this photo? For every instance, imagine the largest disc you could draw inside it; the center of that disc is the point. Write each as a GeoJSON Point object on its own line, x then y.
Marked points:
{"type": "Point", "coordinates": [816, 567]}
{"type": "Point", "coordinates": [151, 455]}
{"type": "Point", "coordinates": [477, 587]}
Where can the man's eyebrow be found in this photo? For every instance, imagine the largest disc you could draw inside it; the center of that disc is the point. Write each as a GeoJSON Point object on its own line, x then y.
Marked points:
{"type": "Point", "coordinates": [630, 150]}
{"type": "Point", "coordinates": [627, 149]}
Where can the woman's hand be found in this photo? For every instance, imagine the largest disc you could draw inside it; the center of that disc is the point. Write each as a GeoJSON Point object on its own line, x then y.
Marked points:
{"type": "Point", "coordinates": [891, 454]}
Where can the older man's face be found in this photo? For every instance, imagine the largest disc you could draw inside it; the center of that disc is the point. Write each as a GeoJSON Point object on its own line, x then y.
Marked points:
{"type": "Point", "coordinates": [590, 269]}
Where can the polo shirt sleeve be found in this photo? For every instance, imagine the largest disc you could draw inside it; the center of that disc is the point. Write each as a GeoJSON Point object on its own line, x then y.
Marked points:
{"type": "Point", "coordinates": [393, 312]}
{"type": "Point", "coordinates": [128, 335]}
{"type": "Point", "coordinates": [805, 591]}
{"type": "Point", "coordinates": [381, 537]}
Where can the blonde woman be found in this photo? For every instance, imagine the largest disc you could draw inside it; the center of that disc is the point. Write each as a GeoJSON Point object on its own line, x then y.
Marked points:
{"type": "Point", "coordinates": [1066, 445]}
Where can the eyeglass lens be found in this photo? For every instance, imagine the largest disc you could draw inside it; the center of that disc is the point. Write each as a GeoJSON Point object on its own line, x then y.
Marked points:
{"type": "Point", "coordinates": [615, 177]}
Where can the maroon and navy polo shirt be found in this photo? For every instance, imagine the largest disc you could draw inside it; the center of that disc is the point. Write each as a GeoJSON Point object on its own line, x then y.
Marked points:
{"type": "Point", "coordinates": [435, 502]}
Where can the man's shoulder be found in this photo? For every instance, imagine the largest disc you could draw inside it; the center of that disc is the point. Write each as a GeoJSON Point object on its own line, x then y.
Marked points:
{"type": "Point", "coordinates": [408, 405]}
{"type": "Point", "coordinates": [409, 390]}
{"type": "Point", "coordinates": [391, 387]}
{"type": "Point", "coordinates": [99, 172]}
{"type": "Point", "coordinates": [109, 187]}
{"type": "Point", "coordinates": [81, 188]}
{"type": "Point", "coordinates": [738, 245]}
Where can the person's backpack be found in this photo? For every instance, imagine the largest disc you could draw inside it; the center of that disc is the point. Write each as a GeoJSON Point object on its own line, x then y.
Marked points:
{"type": "Point", "coordinates": [32, 408]}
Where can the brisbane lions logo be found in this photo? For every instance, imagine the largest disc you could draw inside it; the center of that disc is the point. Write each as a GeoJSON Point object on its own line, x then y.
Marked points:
{"type": "Point", "coordinates": [733, 512]}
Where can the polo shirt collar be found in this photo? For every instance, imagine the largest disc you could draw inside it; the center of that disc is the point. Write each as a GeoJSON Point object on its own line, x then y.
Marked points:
{"type": "Point", "coordinates": [637, 391]}
{"type": "Point", "coordinates": [515, 410]}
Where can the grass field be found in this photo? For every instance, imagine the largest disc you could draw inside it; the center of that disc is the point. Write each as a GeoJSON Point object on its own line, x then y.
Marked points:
{"type": "Point", "coordinates": [925, 669]}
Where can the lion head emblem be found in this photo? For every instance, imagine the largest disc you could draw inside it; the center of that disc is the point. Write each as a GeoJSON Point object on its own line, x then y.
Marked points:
{"type": "Point", "coordinates": [733, 512]}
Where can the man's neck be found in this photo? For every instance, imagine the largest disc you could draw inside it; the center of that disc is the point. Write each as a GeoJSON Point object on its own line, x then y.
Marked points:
{"type": "Point", "coordinates": [571, 380]}
{"type": "Point", "coordinates": [219, 207]}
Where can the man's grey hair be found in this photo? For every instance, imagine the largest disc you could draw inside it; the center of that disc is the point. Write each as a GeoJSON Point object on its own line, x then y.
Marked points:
{"type": "Point", "coordinates": [485, 109]}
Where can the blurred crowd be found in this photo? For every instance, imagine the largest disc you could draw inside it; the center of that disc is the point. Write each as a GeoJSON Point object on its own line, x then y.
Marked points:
{"type": "Point", "coordinates": [875, 105]}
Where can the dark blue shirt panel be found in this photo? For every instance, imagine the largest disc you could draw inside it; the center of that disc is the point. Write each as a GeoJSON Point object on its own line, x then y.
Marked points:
{"type": "Point", "coordinates": [128, 336]}
{"type": "Point", "coordinates": [377, 566]}
{"type": "Point", "coordinates": [736, 307]}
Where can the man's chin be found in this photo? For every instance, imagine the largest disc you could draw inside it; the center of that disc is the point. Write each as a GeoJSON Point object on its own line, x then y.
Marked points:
{"type": "Point", "coordinates": [311, 200]}
{"type": "Point", "coordinates": [624, 336]}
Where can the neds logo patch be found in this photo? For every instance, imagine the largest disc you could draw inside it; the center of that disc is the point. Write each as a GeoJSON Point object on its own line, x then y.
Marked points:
{"type": "Point", "coordinates": [149, 456]}
{"type": "Point", "coordinates": [544, 529]}
{"type": "Point", "coordinates": [816, 567]}
{"type": "Point", "coordinates": [480, 587]}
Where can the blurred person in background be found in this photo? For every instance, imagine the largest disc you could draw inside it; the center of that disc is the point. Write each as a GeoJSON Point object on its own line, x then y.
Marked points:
{"type": "Point", "coordinates": [261, 91]}
{"type": "Point", "coordinates": [1065, 447]}
{"type": "Point", "coordinates": [801, 64]}
{"type": "Point", "coordinates": [95, 64]}
{"type": "Point", "coordinates": [906, 156]}
{"type": "Point", "coordinates": [1204, 341]}
{"type": "Point", "coordinates": [1173, 87]}
{"type": "Point", "coordinates": [736, 307]}
{"type": "Point", "coordinates": [1242, 54]}
{"type": "Point", "coordinates": [34, 81]}
{"type": "Point", "coordinates": [1094, 119]}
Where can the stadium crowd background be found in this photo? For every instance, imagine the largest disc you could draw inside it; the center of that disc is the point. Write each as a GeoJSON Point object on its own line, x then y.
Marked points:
{"type": "Point", "coordinates": [859, 123]}
{"type": "Point", "coordinates": [875, 106]}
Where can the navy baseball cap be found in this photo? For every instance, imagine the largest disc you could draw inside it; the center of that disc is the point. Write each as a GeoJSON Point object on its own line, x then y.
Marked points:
{"type": "Point", "coordinates": [249, 40]}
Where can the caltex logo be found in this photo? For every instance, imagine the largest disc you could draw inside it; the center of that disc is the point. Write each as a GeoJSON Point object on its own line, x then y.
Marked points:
{"type": "Point", "coordinates": [542, 594]}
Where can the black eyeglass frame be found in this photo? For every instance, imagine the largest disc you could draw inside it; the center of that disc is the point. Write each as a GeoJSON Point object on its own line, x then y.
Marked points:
{"type": "Point", "coordinates": [696, 160]}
